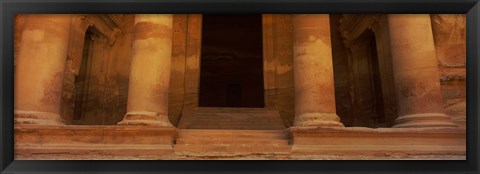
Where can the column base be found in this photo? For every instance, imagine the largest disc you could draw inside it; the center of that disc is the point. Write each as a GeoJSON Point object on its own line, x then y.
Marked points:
{"type": "Point", "coordinates": [424, 120]}
{"type": "Point", "coordinates": [145, 118]}
{"type": "Point", "coordinates": [37, 118]}
{"type": "Point", "coordinates": [318, 120]}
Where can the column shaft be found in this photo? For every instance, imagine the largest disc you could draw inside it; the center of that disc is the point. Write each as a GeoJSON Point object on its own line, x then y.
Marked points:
{"type": "Point", "coordinates": [39, 69]}
{"type": "Point", "coordinates": [150, 71]}
{"type": "Point", "coordinates": [419, 98]}
{"type": "Point", "coordinates": [313, 72]}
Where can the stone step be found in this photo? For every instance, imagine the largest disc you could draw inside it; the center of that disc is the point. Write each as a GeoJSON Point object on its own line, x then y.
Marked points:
{"type": "Point", "coordinates": [231, 127]}
{"type": "Point", "coordinates": [213, 122]}
{"type": "Point", "coordinates": [229, 110]}
{"type": "Point", "coordinates": [225, 141]}
{"type": "Point", "coordinates": [264, 112]}
{"type": "Point", "coordinates": [231, 118]}
{"type": "Point", "coordinates": [231, 123]}
{"type": "Point", "coordinates": [235, 118]}
{"type": "Point", "coordinates": [219, 150]}
{"type": "Point", "coordinates": [262, 134]}
{"type": "Point", "coordinates": [227, 126]}
{"type": "Point", "coordinates": [276, 117]}
{"type": "Point", "coordinates": [206, 121]}
{"type": "Point", "coordinates": [231, 142]}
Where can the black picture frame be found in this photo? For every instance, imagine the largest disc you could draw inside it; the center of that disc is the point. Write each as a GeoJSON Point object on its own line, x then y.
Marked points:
{"type": "Point", "coordinates": [8, 8]}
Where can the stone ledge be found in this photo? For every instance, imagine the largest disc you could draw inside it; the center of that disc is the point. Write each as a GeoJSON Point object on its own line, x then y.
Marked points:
{"type": "Point", "coordinates": [91, 152]}
{"type": "Point", "coordinates": [81, 141]}
{"type": "Point", "coordinates": [382, 141]}
{"type": "Point", "coordinates": [138, 142]}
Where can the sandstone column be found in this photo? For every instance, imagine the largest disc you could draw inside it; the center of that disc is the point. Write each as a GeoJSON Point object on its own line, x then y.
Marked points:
{"type": "Point", "coordinates": [419, 99]}
{"type": "Point", "coordinates": [150, 71]}
{"type": "Point", "coordinates": [39, 69]}
{"type": "Point", "coordinates": [313, 70]}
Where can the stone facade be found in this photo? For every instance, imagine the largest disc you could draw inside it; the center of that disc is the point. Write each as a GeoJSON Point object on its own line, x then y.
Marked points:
{"type": "Point", "coordinates": [333, 87]}
{"type": "Point", "coordinates": [449, 35]}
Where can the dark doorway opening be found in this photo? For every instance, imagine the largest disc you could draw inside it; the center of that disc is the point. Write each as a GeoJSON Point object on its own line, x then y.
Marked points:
{"type": "Point", "coordinates": [231, 72]}
{"type": "Point", "coordinates": [376, 82]}
{"type": "Point", "coordinates": [369, 102]}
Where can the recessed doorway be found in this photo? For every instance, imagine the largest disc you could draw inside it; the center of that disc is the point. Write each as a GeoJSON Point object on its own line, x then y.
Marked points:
{"type": "Point", "coordinates": [231, 72]}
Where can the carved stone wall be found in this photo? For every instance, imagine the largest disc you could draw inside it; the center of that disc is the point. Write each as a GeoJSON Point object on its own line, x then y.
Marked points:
{"type": "Point", "coordinates": [278, 65]}
{"type": "Point", "coordinates": [18, 27]}
{"type": "Point", "coordinates": [178, 67]}
{"type": "Point", "coordinates": [449, 37]}
{"type": "Point", "coordinates": [107, 89]}
{"type": "Point", "coordinates": [354, 38]}
{"type": "Point", "coordinates": [364, 61]}
{"type": "Point", "coordinates": [342, 73]}
{"type": "Point", "coordinates": [449, 33]}
{"type": "Point", "coordinates": [112, 59]}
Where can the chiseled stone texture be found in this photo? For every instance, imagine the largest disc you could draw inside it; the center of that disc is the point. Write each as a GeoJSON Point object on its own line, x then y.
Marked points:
{"type": "Point", "coordinates": [107, 90]}
{"type": "Point", "coordinates": [343, 82]}
{"type": "Point", "coordinates": [368, 141]}
{"type": "Point", "coordinates": [449, 33]}
{"type": "Point", "coordinates": [364, 90]}
{"type": "Point", "coordinates": [134, 142]}
{"type": "Point", "coordinates": [395, 156]}
{"type": "Point", "coordinates": [416, 72]}
{"type": "Point", "coordinates": [19, 25]}
{"type": "Point", "coordinates": [92, 142]}
{"type": "Point", "coordinates": [110, 82]}
{"type": "Point", "coordinates": [177, 73]}
{"type": "Point", "coordinates": [278, 65]}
